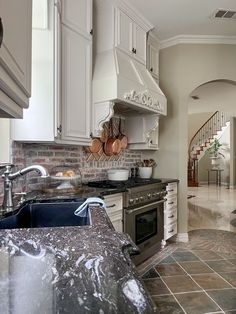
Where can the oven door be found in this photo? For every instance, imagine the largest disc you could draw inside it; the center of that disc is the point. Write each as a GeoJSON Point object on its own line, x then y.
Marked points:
{"type": "Point", "coordinates": [145, 225]}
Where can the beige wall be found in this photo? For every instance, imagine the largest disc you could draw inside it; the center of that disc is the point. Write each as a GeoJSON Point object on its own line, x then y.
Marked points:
{"type": "Point", "coordinates": [4, 140]}
{"type": "Point", "coordinates": [182, 69]}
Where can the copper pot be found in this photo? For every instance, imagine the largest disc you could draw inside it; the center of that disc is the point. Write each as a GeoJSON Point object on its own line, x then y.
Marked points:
{"type": "Point", "coordinates": [95, 146]}
{"type": "Point", "coordinates": [122, 137]}
{"type": "Point", "coordinates": [113, 144]}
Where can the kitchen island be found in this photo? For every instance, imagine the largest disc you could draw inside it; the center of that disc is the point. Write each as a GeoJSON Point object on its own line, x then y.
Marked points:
{"type": "Point", "coordinates": [84, 269]}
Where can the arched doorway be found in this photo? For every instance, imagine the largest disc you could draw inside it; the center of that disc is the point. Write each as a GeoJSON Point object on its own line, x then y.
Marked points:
{"type": "Point", "coordinates": [213, 207]}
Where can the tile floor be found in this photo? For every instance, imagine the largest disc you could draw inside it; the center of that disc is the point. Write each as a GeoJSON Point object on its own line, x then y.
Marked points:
{"type": "Point", "coordinates": [193, 282]}
{"type": "Point", "coordinates": [198, 277]}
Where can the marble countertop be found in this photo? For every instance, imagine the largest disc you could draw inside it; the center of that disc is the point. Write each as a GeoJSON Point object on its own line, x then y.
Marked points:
{"type": "Point", "coordinates": [70, 270]}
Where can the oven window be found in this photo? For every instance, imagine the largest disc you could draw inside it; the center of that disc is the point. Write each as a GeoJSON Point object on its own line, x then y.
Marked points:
{"type": "Point", "coordinates": [145, 226]}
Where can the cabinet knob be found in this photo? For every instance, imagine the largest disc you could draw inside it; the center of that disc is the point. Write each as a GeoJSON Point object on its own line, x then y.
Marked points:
{"type": "Point", "coordinates": [91, 32]}
{"type": "Point", "coordinates": [1, 32]}
{"type": "Point", "coordinates": [151, 70]}
{"type": "Point", "coordinates": [134, 50]}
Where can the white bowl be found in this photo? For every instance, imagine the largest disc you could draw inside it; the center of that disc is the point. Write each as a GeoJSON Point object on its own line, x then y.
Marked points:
{"type": "Point", "coordinates": [118, 174]}
{"type": "Point", "coordinates": [145, 172]}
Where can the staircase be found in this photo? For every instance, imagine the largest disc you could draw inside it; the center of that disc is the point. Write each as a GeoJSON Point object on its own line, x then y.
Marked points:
{"type": "Point", "coordinates": [201, 140]}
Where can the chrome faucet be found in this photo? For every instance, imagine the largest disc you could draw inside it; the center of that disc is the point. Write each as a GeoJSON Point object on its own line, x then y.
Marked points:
{"type": "Point", "coordinates": [8, 177]}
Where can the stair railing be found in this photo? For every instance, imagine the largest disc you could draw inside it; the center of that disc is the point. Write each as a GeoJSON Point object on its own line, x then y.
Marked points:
{"type": "Point", "coordinates": [200, 139]}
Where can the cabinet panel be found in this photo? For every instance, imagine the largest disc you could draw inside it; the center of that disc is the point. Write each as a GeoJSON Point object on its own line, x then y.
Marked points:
{"type": "Point", "coordinates": [153, 61]}
{"type": "Point", "coordinates": [76, 85]}
{"type": "Point", "coordinates": [170, 230]}
{"type": "Point", "coordinates": [139, 38]}
{"type": "Point", "coordinates": [123, 31]}
{"type": "Point", "coordinates": [15, 52]}
{"type": "Point", "coordinates": [78, 15]}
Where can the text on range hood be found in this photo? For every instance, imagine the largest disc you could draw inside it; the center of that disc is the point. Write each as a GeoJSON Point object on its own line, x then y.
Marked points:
{"type": "Point", "coordinates": [122, 81]}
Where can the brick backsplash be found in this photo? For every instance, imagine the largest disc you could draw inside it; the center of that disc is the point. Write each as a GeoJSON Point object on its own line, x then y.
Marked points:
{"type": "Point", "coordinates": [51, 155]}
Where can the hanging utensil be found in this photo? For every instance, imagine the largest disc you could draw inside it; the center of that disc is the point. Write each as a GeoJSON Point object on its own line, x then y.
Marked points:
{"type": "Point", "coordinates": [95, 146]}
{"type": "Point", "coordinates": [112, 145]}
{"type": "Point", "coordinates": [122, 137]}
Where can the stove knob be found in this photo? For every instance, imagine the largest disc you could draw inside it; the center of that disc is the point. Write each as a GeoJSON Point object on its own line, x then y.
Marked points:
{"type": "Point", "coordinates": [131, 201]}
{"type": "Point", "coordinates": [149, 195]}
{"type": "Point", "coordinates": [141, 198]}
{"type": "Point", "coordinates": [154, 194]}
{"type": "Point", "coordinates": [137, 200]}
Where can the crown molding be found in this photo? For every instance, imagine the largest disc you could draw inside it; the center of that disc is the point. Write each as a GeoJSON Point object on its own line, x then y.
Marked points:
{"type": "Point", "coordinates": [134, 14]}
{"type": "Point", "coordinates": [197, 39]}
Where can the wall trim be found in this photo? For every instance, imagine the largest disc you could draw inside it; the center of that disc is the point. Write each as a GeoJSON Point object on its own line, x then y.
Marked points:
{"type": "Point", "coordinates": [205, 183]}
{"type": "Point", "coordinates": [197, 39]}
{"type": "Point", "coordinates": [182, 237]}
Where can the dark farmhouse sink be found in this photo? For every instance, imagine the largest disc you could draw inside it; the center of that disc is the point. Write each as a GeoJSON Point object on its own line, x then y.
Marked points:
{"type": "Point", "coordinates": [34, 214]}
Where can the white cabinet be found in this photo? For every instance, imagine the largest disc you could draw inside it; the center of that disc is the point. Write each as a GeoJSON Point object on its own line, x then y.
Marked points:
{"type": "Point", "coordinates": [114, 208]}
{"type": "Point", "coordinates": [15, 57]}
{"type": "Point", "coordinates": [62, 75]}
{"type": "Point", "coordinates": [130, 37]}
{"type": "Point", "coordinates": [76, 86]}
{"type": "Point", "coordinates": [170, 211]}
{"type": "Point", "coordinates": [153, 56]}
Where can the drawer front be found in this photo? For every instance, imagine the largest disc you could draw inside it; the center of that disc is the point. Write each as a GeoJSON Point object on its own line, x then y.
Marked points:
{"type": "Point", "coordinates": [170, 216]}
{"type": "Point", "coordinates": [171, 201]}
{"type": "Point", "coordinates": [170, 230]}
{"type": "Point", "coordinates": [113, 202]}
{"type": "Point", "coordinates": [171, 188]}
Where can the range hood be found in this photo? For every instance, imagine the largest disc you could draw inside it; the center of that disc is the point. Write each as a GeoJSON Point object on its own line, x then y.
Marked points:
{"type": "Point", "coordinates": [124, 86]}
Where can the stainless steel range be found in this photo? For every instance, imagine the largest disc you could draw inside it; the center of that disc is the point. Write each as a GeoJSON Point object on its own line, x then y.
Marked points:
{"type": "Point", "coordinates": [143, 212]}
{"type": "Point", "coordinates": [144, 217]}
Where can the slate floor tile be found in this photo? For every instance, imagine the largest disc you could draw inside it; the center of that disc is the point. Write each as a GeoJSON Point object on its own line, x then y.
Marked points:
{"type": "Point", "coordinates": [196, 267]}
{"type": "Point", "coordinates": [169, 269]}
{"type": "Point", "coordinates": [150, 274]}
{"type": "Point", "coordinates": [156, 286]}
{"type": "Point", "coordinates": [167, 304]}
{"type": "Point", "coordinates": [184, 256]}
{"type": "Point", "coordinates": [233, 261]}
{"type": "Point", "coordinates": [230, 277]}
{"type": "Point", "coordinates": [196, 303]}
{"type": "Point", "coordinates": [207, 255]}
{"type": "Point", "coordinates": [222, 266]}
{"type": "Point", "coordinates": [211, 281]}
{"type": "Point", "coordinates": [181, 284]}
{"type": "Point", "coordinates": [167, 260]}
{"type": "Point", "coordinates": [225, 298]}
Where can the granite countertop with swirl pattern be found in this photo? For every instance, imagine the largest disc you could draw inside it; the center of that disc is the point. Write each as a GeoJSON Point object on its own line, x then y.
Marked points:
{"type": "Point", "coordinates": [83, 269]}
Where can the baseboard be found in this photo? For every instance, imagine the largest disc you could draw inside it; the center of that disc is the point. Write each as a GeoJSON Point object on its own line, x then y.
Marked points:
{"type": "Point", "coordinates": [182, 237]}
{"type": "Point", "coordinates": [213, 182]}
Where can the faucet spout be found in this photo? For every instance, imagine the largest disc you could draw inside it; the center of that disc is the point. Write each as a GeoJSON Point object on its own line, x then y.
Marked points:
{"type": "Point", "coordinates": [8, 177]}
{"type": "Point", "coordinates": [39, 169]}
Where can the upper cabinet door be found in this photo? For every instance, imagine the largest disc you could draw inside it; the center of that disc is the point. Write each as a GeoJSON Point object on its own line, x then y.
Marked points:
{"type": "Point", "coordinates": [153, 57]}
{"type": "Point", "coordinates": [139, 43]}
{"type": "Point", "coordinates": [123, 31]}
{"type": "Point", "coordinates": [15, 51]}
{"type": "Point", "coordinates": [76, 86]}
{"type": "Point", "coordinates": [78, 15]}
{"type": "Point", "coordinates": [130, 37]}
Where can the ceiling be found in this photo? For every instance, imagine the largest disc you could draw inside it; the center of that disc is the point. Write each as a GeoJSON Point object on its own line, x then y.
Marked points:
{"type": "Point", "coordinates": [186, 17]}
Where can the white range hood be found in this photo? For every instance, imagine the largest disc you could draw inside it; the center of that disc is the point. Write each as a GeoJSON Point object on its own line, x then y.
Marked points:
{"type": "Point", "coordinates": [123, 85]}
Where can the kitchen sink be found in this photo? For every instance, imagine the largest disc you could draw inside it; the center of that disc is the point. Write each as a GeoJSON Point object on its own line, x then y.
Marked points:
{"type": "Point", "coordinates": [33, 214]}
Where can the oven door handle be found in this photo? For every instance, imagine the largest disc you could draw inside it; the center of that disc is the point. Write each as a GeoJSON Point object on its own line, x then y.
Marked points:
{"type": "Point", "coordinates": [130, 211]}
